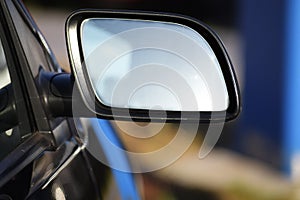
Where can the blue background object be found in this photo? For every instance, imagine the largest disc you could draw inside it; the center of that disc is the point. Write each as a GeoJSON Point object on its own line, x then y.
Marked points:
{"type": "Point", "coordinates": [270, 127]}
{"type": "Point", "coordinates": [125, 181]}
{"type": "Point", "coordinates": [292, 84]}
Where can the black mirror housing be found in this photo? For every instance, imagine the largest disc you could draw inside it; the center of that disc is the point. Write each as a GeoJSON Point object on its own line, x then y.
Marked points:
{"type": "Point", "coordinates": [93, 101]}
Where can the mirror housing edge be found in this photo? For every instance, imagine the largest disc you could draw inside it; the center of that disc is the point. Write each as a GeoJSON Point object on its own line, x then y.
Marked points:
{"type": "Point", "coordinates": [78, 70]}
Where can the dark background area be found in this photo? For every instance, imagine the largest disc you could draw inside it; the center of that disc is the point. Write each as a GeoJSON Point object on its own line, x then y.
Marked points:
{"type": "Point", "coordinates": [213, 11]}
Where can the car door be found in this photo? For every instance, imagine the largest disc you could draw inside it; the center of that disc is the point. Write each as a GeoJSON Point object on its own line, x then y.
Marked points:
{"type": "Point", "coordinates": [39, 155]}
{"type": "Point", "coordinates": [20, 140]}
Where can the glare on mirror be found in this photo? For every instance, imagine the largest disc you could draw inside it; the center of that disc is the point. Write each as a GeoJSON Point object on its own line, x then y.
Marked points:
{"type": "Point", "coordinates": [152, 65]}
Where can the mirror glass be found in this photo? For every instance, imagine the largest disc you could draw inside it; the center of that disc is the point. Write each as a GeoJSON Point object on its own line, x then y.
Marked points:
{"type": "Point", "coordinates": [152, 65]}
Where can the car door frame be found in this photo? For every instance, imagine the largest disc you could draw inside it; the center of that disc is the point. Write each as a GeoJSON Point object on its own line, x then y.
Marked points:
{"type": "Point", "coordinates": [23, 86]}
{"type": "Point", "coordinates": [41, 138]}
{"type": "Point", "coordinates": [54, 141]}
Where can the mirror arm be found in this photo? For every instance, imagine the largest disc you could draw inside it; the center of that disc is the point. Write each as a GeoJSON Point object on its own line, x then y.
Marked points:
{"type": "Point", "coordinates": [60, 94]}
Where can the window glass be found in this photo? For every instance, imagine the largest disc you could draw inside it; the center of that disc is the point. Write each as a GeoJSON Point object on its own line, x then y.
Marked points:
{"type": "Point", "coordinates": [36, 59]}
{"type": "Point", "coordinates": [32, 48]}
{"type": "Point", "coordinates": [9, 138]}
{"type": "Point", "coordinates": [4, 74]}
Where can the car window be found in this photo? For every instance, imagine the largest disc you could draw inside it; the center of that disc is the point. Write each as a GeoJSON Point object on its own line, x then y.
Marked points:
{"type": "Point", "coordinates": [4, 74]}
{"type": "Point", "coordinates": [35, 54]}
{"type": "Point", "coordinates": [11, 137]}
{"type": "Point", "coordinates": [35, 59]}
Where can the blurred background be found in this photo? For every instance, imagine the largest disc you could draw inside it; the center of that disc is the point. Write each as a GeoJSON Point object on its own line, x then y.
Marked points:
{"type": "Point", "coordinates": [257, 156]}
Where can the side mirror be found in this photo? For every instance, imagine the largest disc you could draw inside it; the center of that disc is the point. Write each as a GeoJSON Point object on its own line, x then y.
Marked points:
{"type": "Point", "coordinates": [151, 66]}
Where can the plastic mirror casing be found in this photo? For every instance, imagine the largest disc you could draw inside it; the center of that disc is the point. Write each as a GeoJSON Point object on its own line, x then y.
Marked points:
{"type": "Point", "coordinates": [79, 71]}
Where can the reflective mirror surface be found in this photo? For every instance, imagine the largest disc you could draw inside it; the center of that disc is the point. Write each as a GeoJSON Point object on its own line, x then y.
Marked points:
{"type": "Point", "coordinates": [152, 65]}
